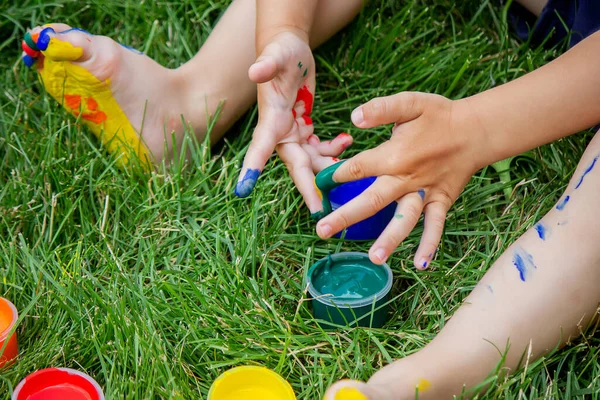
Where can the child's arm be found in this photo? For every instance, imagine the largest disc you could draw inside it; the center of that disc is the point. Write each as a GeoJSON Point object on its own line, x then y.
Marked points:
{"type": "Point", "coordinates": [437, 144]}
{"type": "Point", "coordinates": [285, 73]}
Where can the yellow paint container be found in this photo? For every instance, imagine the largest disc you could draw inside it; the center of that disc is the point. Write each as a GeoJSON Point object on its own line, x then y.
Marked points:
{"type": "Point", "coordinates": [250, 383]}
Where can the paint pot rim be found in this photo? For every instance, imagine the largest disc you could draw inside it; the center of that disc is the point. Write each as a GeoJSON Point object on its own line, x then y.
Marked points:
{"type": "Point", "coordinates": [92, 381]}
{"type": "Point", "coordinates": [6, 332]}
{"type": "Point", "coordinates": [330, 300]}
{"type": "Point", "coordinates": [243, 368]}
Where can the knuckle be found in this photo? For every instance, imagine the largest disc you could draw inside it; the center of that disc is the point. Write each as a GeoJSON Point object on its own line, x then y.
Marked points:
{"type": "Point", "coordinates": [375, 108]}
{"type": "Point", "coordinates": [355, 169]}
{"type": "Point", "coordinates": [412, 211]}
{"type": "Point", "coordinates": [375, 201]}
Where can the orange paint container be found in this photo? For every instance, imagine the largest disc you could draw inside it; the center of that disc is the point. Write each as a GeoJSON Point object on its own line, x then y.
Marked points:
{"type": "Point", "coordinates": [8, 341]}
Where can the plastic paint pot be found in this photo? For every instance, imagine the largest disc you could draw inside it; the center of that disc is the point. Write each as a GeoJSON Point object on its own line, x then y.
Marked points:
{"type": "Point", "coordinates": [348, 289]}
{"type": "Point", "coordinates": [250, 383]}
{"type": "Point", "coordinates": [58, 384]}
{"type": "Point", "coordinates": [334, 195]}
{"type": "Point", "coordinates": [8, 319]}
{"type": "Point", "coordinates": [367, 229]}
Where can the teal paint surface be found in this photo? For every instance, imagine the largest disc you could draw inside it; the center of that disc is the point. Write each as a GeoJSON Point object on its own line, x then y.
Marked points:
{"type": "Point", "coordinates": [349, 279]}
{"type": "Point", "coordinates": [348, 289]}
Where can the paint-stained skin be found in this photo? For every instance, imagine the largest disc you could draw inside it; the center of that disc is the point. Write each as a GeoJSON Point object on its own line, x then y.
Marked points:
{"type": "Point", "coordinates": [306, 96]}
{"type": "Point", "coordinates": [587, 171]}
{"type": "Point", "coordinates": [523, 262]}
{"type": "Point", "coordinates": [421, 193]}
{"type": "Point", "coordinates": [423, 385]}
{"type": "Point", "coordinates": [543, 230]}
{"type": "Point", "coordinates": [82, 94]}
{"type": "Point", "coordinates": [490, 288]}
{"type": "Point", "coordinates": [399, 216]}
{"type": "Point", "coordinates": [245, 186]}
{"type": "Point", "coordinates": [561, 204]}
{"type": "Point", "coordinates": [349, 393]}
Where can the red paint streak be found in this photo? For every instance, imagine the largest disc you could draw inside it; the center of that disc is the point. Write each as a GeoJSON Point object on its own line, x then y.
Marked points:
{"type": "Point", "coordinates": [55, 384]}
{"type": "Point", "coordinates": [306, 96]}
{"type": "Point", "coordinates": [294, 113]}
{"type": "Point", "coordinates": [343, 134]}
{"type": "Point", "coordinates": [92, 104]}
{"type": "Point", "coordinates": [335, 159]}
{"type": "Point", "coordinates": [96, 117]}
{"type": "Point", "coordinates": [73, 101]}
{"type": "Point", "coordinates": [28, 50]}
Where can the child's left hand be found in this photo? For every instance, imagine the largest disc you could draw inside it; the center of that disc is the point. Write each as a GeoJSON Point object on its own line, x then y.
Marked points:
{"type": "Point", "coordinates": [436, 146]}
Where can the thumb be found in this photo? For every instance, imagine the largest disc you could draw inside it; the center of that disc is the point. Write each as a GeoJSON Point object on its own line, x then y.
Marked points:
{"type": "Point", "coordinates": [267, 65]}
{"type": "Point", "coordinates": [401, 107]}
{"type": "Point", "coordinates": [260, 150]}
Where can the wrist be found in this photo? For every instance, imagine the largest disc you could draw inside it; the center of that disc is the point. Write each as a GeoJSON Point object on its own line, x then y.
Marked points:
{"type": "Point", "coordinates": [467, 122]}
{"type": "Point", "coordinates": [267, 35]}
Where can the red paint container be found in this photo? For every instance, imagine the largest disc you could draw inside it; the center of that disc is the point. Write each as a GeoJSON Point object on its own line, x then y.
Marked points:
{"type": "Point", "coordinates": [8, 319]}
{"type": "Point", "coordinates": [58, 384]}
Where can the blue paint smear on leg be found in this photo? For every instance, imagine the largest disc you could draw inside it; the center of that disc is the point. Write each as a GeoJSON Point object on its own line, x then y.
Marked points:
{"type": "Point", "coordinates": [136, 51]}
{"type": "Point", "coordinates": [76, 30]}
{"type": "Point", "coordinates": [561, 205]}
{"type": "Point", "coordinates": [421, 193]}
{"type": "Point", "coordinates": [523, 261]}
{"type": "Point", "coordinates": [245, 186]}
{"type": "Point", "coordinates": [543, 230]}
{"type": "Point", "coordinates": [587, 171]}
{"type": "Point", "coordinates": [490, 288]}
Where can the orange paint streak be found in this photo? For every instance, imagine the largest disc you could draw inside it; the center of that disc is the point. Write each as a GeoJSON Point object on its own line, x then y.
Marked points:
{"type": "Point", "coordinates": [92, 104]}
{"type": "Point", "coordinates": [96, 117]}
{"type": "Point", "coordinates": [73, 101]}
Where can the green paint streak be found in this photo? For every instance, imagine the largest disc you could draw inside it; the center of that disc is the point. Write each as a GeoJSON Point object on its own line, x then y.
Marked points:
{"type": "Point", "coordinates": [349, 278]}
{"type": "Point", "coordinates": [300, 64]}
{"type": "Point", "coordinates": [305, 72]}
{"type": "Point", "coordinates": [399, 216]}
{"type": "Point", "coordinates": [30, 42]}
{"type": "Point", "coordinates": [324, 182]}
{"type": "Point", "coordinates": [317, 215]}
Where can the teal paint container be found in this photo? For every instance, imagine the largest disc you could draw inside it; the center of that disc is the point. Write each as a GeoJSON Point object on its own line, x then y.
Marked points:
{"type": "Point", "coordinates": [348, 289]}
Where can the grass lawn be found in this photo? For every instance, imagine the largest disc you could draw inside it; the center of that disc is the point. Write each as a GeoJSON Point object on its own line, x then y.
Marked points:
{"type": "Point", "coordinates": [155, 284]}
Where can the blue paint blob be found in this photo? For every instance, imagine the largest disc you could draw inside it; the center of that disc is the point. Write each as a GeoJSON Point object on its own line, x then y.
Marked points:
{"type": "Point", "coordinates": [561, 205]}
{"type": "Point", "coordinates": [523, 261]}
{"type": "Point", "coordinates": [490, 288]}
{"type": "Point", "coordinates": [421, 193]}
{"type": "Point", "coordinates": [28, 60]}
{"type": "Point", "coordinates": [136, 51]}
{"type": "Point", "coordinates": [245, 186]}
{"type": "Point", "coordinates": [543, 230]}
{"type": "Point", "coordinates": [587, 171]}
{"type": "Point", "coordinates": [44, 38]}
{"type": "Point", "coordinates": [424, 264]}
{"type": "Point", "coordinates": [75, 30]}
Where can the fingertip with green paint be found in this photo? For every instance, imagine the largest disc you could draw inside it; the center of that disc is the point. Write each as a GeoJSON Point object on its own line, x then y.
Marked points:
{"type": "Point", "coordinates": [325, 183]}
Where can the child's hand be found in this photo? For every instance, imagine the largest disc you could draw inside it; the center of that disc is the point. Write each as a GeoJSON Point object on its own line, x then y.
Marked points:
{"type": "Point", "coordinates": [285, 73]}
{"type": "Point", "coordinates": [434, 149]}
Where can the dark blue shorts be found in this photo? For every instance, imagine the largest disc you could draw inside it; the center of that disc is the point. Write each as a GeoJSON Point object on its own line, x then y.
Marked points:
{"type": "Point", "coordinates": [581, 18]}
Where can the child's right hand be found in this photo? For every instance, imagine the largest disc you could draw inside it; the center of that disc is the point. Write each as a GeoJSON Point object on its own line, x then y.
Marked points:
{"type": "Point", "coordinates": [436, 146]}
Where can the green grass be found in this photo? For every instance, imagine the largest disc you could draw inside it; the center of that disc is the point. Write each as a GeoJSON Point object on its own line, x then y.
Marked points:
{"type": "Point", "coordinates": [154, 285]}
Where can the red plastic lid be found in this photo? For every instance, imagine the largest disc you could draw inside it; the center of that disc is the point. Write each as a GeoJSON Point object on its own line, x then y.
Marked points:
{"type": "Point", "coordinates": [58, 384]}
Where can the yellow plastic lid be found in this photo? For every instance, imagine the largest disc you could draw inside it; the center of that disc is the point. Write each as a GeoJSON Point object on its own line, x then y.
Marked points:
{"type": "Point", "coordinates": [250, 383]}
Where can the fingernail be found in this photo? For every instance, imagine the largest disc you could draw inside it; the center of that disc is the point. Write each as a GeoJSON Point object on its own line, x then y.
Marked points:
{"type": "Point", "coordinates": [245, 186]}
{"type": "Point", "coordinates": [324, 230]}
{"type": "Point", "coordinates": [357, 116]}
{"type": "Point", "coordinates": [380, 255]}
{"type": "Point", "coordinates": [28, 60]}
{"type": "Point", "coordinates": [44, 38]}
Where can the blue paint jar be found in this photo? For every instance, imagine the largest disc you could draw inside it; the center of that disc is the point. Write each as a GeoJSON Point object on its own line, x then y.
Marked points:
{"type": "Point", "coordinates": [370, 228]}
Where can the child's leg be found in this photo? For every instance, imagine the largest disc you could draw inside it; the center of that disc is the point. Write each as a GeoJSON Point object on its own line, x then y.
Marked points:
{"type": "Point", "coordinates": [534, 6]}
{"type": "Point", "coordinates": [114, 88]}
{"type": "Point", "coordinates": [541, 293]}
